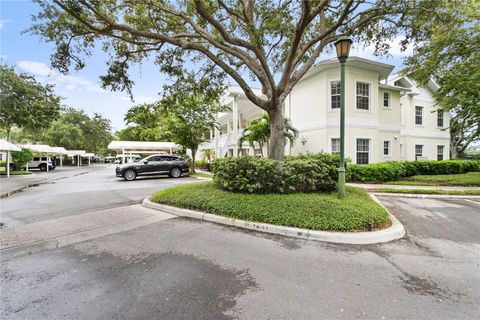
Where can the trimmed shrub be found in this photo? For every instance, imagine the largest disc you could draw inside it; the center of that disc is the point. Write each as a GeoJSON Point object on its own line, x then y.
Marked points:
{"type": "Point", "coordinates": [3, 163]}
{"type": "Point", "coordinates": [393, 170]}
{"type": "Point", "coordinates": [306, 173]}
{"type": "Point", "coordinates": [21, 158]}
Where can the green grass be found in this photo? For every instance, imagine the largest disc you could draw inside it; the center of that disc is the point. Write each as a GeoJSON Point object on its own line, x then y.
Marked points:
{"type": "Point", "coordinates": [319, 211]}
{"type": "Point", "coordinates": [420, 191]}
{"type": "Point", "coordinates": [13, 172]}
{"type": "Point", "coordinates": [201, 175]}
{"type": "Point", "coordinates": [465, 179]}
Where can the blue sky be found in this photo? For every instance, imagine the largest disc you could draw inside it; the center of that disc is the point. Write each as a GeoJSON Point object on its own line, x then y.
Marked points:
{"type": "Point", "coordinates": [81, 89]}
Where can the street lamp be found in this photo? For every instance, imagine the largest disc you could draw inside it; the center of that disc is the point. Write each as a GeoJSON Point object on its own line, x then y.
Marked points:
{"type": "Point", "coordinates": [343, 49]}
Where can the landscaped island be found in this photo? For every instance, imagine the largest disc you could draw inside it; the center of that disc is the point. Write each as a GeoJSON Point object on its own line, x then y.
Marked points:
{"type": "Point", "coordinates": [318, 211]}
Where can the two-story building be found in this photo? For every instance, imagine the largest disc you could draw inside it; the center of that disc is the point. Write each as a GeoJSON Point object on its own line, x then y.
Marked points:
{"type": "Point", "coordinates": [387, 117]}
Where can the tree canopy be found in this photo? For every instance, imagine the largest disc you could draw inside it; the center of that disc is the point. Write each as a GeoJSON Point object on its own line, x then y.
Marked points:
{"type": "Point", "coordinates": [76, 130]}
{"type": "Point", "coordinates": [270, 43]}
{"type": "Point", "coordinates": [447, 50]}
{"type": "Point", "coordinates": [25, 103]}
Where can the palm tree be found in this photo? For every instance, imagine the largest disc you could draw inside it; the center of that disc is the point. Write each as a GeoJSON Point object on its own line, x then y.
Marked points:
{"type": "Point", "coordinates": [259, 132]}
{"type": "Point", "coordinates": [208, 155]}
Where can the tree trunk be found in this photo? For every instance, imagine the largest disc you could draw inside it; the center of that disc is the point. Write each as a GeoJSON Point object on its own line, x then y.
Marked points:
{"type": "Point", "coordinates": [276, 148]}
{"type": "Point", "coordinates": [194, 154]}
{"type": "Point", "coordinates": [8, 133]}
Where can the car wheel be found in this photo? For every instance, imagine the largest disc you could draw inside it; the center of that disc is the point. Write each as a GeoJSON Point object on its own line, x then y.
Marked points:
{"type": "Point", "coordinates": [129, 175]}
{"type": "Point", "coordinates": [43, 167]}
{"type": "Point", "coordinates": [175, 172]}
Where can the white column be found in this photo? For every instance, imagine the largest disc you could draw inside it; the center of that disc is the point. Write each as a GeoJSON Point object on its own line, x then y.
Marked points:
{"type": "Point", "coordinates": [123, 156]}
{"type": "Point", "coordinates": [235, 126]}
{"type": "Point", "coordinates": [171, 151]}
{"type": "Point", "coordinates": [47, 162]}
{"type": "Point", "coordinates": [8, 164]}
{"type": "Point", "coordinates": [89, 161]}
{"type": "Point", "coordinates": [61, 161]}
{"type": "Point", "coordinates": [79, 160]}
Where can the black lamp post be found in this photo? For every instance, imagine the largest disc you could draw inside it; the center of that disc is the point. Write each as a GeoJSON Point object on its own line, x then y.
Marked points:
{"type": "Point", "coordinates": [343, 49]}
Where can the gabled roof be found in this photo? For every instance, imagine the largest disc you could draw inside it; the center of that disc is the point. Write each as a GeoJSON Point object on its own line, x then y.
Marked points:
{"type": "Point", "coordinates": [408, 82]}
{"type": "Point", "coordinates": [382, 69]}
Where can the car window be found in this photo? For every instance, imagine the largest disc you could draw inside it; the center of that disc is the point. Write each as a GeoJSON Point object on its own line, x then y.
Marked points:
{"type": "Point", "coordinates": [167, 158]}
{"type": "Point", "coordinates": [35, 159]}
{"type": "Point", "coordinates": [154, 159]}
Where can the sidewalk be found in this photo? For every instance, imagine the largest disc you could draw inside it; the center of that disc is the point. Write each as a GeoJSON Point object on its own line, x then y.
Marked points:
{"type": "Point", "coordinates": [403, 187]}
{"type": "Point", "coordinates": [15, 183]}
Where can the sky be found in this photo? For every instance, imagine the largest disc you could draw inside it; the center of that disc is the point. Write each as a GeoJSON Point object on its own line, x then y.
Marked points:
{"type": "Point", "coordinates": [82, 90]}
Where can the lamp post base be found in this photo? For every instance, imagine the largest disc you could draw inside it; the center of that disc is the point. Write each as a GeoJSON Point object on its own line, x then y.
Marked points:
{"type": "Point", "coordinates": [341, 182]}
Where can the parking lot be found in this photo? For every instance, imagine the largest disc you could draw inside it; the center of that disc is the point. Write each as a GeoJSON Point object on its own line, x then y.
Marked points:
{"type": "Point", "coordinates": [177, 268]}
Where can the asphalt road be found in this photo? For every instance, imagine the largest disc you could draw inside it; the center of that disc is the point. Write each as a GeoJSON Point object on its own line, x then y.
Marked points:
{"type": "Point", "coordinates": [186, 269]}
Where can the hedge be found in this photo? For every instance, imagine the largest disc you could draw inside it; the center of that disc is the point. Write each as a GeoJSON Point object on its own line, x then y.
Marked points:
{"type": "Point", "coordinates": [311, 172]}
{"type": "Point", "coordinates": [393, 170]}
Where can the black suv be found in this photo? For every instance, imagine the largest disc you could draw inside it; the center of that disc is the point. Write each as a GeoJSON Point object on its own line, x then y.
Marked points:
{"type": "Point", "coordinates": [170, 165]}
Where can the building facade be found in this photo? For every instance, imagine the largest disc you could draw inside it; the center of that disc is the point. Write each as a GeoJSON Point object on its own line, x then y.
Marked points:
{"type": "Point", "coordinates": [387, 117]}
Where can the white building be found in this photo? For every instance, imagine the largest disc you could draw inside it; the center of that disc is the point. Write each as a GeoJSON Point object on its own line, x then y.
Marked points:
{"type": "Point", "coordinates": [387, 117]}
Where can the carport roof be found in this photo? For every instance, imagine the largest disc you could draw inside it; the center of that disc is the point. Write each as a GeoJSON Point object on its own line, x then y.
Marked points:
{"type": "Point", "coordinates": [59, 150]}
{"type": "Point", "coordinates": [7, 146]}
{"type": "Point", "coordinates": [142, 146]}
{"type": "Point", "coordinates": [38, 148]}
{"type": "Point", "coordinates": [72, 153]}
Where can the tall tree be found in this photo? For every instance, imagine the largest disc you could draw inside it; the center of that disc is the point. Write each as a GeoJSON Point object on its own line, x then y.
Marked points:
{"type": "Point", "coordinates": [76, 130]}
{"type": "Point", "coordinates": [447, 50]}
{"type": "Point", "coordinates": [25, 103]}
{"type": "Point", "coordinates": [142, 124]}
{"type": "Point", "coordinates": [271, 43]}
{"type": "Point", "coordinates": [189, 108]}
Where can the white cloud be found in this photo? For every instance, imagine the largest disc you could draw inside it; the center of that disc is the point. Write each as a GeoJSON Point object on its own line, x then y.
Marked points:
{"type": "Point", "coordinates": [35, 67]}
{"type": "Point", "coordinates": [2, 23]}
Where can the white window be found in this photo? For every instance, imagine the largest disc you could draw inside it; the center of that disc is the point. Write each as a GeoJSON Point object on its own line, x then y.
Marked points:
{"type": "Point", "coordinates": [363, 151]}
{"type": "Point", "coordinates": [386, 100]}
{"type": "Point", "coordinates": [335, 145]}
{"type": "Point", "coordinates": [363, 96]}
{"type": "Point", "coordinates": [418, 115]}
{"type": "Point", "coordinates": [440, 150]}
{"type": "Point", "coordinates": [418, 151]}
{"type": "Point", "coordinates": [335, 94]}
{"type": "Point", "coordinates": [386, 148]}
{"type": "Point", "coordinates": [440, 118]}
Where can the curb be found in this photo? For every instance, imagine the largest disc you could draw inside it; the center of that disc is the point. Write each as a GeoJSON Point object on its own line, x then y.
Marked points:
{"type": "Point", "coordinates": [426, 196]}
{"type": "Point", "coordinates": [396, 231]}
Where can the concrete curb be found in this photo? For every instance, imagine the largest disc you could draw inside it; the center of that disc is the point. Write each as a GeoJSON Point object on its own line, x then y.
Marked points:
{"type": "Point", "coordinates": [425, 196]}
{"type": "Point", "coordinates": [396, 231]}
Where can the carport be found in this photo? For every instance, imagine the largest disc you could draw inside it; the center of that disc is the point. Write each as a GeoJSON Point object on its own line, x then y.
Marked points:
{"type": "Point", "coordinates": [40, 150]}
{"type": "Point", "coordinates": [61, 151]}
{"type": "Point", "coordinates": [8, 147]}
{"type": "Point", "coordinates": [142, 147]}
{"type": "Point", "coordinates": [77, 153]}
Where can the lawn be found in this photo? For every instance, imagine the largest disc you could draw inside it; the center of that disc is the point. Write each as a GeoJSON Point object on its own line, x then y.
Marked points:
{"type": "Point", "coordinates": [318, 211]}
{"type": "Point", "coordinates": [465, 179]}
{"type": "Point", "coordinates": [420, 191]}
{"type": "Point", "coordinates": [201, 175]}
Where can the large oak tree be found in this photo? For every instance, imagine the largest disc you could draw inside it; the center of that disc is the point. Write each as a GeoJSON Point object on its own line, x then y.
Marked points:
{"type": "Point", "coordinates": [268, 43]}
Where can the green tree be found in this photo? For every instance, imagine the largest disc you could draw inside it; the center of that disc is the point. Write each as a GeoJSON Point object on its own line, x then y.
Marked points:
{"type": "Point", "coordinates": [25, 103]}
{"type": "Point", "coordinates": [259, 132]}
{"type": "Point", "coordinates": [447, 50]}
{"type": "Point", "coordinates": [268, 43]}
{"type": "Point", "coordinates": [143, 124]}
{"type": "Point", "coordinates": [76, 130]}
{"type": "Point", "coordinates": [22, 157]}
{"type": "Point", "coordinates": [189, 108]}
